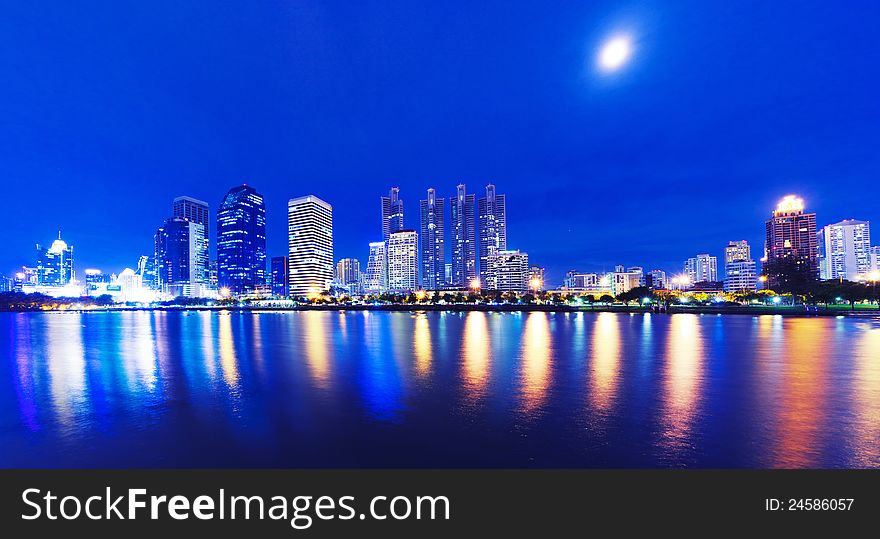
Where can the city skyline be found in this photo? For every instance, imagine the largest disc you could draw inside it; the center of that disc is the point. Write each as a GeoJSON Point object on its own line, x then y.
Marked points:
{"type": "Point", "coordinates": [602, 166]}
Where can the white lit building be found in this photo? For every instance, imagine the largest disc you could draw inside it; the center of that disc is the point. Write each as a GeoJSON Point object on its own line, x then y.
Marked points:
{"type": "Point", "coordinates": [740, 271]}
{"type": "Point", "coordinates": [310, 245]}
{"type": "Point", "coordinates": [656, 280]}
{"type": "Point", "coordinates": [376, 277]}
{"type": "Point", "coordinates": [507, 271]}
{"type": "Point", "coordinates": [845, 250]}
{"type": "Point", "coordinates": [403, 262]}
{"type": "Point", "coordinates": [701, 269]}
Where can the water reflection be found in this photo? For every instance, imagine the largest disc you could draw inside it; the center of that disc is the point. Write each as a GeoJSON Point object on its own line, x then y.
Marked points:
{"type": "Point", "coordinates": [317, 346]}
{"type": "Point", "coordinates": [866, 434]}
{"type": "Point", "coordinates": [536, 357]}
{"type": "Point", "coordinates": [475, 347]}
{"type": "Point", "coordinates": [228, 359]}
{"type": "Point", "coordinates": [605, 364]}
{"type": "Point", "coordinates": [139, 350]}
{"type": "Point", "coordinates": [422, 344]}
{"type": "Point", "coordinates": [67, 369]}
{"type": "Point", "coordinates": [682, 381]}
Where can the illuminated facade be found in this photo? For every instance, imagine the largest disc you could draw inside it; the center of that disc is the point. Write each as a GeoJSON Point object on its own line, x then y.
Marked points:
{"type": "Point", "coordinates": [392, 213]}
{"type": "Point", "coordinates": [195, 210]}
{"type": "Point", "coordinates": [376, 277]}
{"type": "Point", "coordinates": [656, 280]}
{"type": "Point", "coordinates": [280, 282]}
{"type": "Point", "coordinates": [845, 250]}
{"type": "Point", "coordinates": [348, 275]}
{"type": "Point", "coordinates": [492, 222]}
{"type": "Point", "coordinates": [179, 258]}
{"type": "Point", "coordinates": [241, 241]}
{"type": "Point", "coordinates": [507, 271]}
{"type": "Point", "coordinates": [310, 245]}
{"type": "Point", "coordinates": [536, 277]}
{"type": "Point", "coordinates": [790, 248]}
{"type": "Point", "coordinates": [702, 269]}
{"type": "Point", "coordinates": [740, 271]}
{"type": "Point", "coordinates": [433, 241]}
{"type": "Point", "coordinates": [464, 248]}
{"type": "Point", "coordinates": [55, 264]}
{"type": "Point", "coordinates": [403, 270]}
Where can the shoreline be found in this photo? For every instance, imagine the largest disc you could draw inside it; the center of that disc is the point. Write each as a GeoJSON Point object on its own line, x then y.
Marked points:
{"type": "Point", "coordinates": [741, 310]}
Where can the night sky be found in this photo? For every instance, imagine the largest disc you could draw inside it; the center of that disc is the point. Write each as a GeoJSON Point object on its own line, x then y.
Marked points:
{"type": "Point", "coordinates": [111, 109]}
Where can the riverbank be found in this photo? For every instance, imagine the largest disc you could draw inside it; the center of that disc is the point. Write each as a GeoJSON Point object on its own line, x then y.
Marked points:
{"type": "Point", "coordinates": [754, 310]}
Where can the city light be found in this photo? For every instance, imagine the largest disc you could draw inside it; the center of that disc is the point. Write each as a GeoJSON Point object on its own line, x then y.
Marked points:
{"type": "Point", "coordinates": [535, 284]}
{"type": "Point", "coordinates": [790, 204]}
{"type": "Point", "coordinates": [776, 299]}
{"type": "Point", "coordinates": [874, 276]}
{"type": "Point", "coordinates": [475, 284]}
{"type": "Point", "coordinates": [615, 53]}
{"type": "Point", "coordinates": [421, 294]}
{"type": "Point", "coordinates": [225, 292]}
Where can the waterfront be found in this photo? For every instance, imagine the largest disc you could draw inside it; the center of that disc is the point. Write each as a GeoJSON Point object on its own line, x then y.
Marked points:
{"type": "Point", "coordinates": [416, 389]}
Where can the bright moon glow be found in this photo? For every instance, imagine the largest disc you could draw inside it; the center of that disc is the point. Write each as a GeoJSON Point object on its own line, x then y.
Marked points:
{"type": "Point", "coordinates": [615, 53]}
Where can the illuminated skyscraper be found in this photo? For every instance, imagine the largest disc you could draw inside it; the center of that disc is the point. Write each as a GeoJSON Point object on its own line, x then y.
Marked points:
{"type": "Point", "coordinates": [702, 269]}
{"type": "Point", "coordinates": [433, 243]}
{"type": "Point", "coordinates": [392, 213]}
{"type": "Point", "coordinates": [464, 248]}
{"type": "Point", "coordinates": [241, 241]}
{"type": "Point", "coordinates": [507, 271]}
{"type": "Point", "coordinates": [403, 270]}
{"type": "Point", "coordinates": [55, 264]}
{"type": "Point", "coordinates": [376, 278]}
{"type": "Point", "coordinates": [790, 246]}
{"type": "Point", "coordinates": [739, 269]}
{"type": "Point", "coordinates": [179, 251]}
{"type": "Point", "coordinates": [310, 244]}
{"type": "Point", "coordinates": [196, 211]}
{"type": "Point", "coordinates": [280, 283]}
{"type": "Point", "coordinates": [656, 279]}
{"type": "Point", "coordinates": [492, 216]}
{"type": "Point", "coordinates": [348, 275]}
{"type": "Point", "coordinates": [845, 250]}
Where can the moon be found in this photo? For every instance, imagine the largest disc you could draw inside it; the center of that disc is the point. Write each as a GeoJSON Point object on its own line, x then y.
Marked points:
{"type": "Point", "coordinates": [615, 53]}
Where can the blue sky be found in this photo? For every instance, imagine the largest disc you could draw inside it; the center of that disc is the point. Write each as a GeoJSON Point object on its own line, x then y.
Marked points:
{"type": "Point", "coordinates": [108, 110]}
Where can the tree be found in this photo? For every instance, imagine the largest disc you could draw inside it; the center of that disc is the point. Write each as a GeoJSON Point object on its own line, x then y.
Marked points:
{"type": "Point", "coordinates": [606, 299]}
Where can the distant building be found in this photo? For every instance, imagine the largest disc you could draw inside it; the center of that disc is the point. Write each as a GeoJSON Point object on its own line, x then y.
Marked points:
{"type": "Point", "coordinates": [492, 223]}
{"type": "Point", "coordinates": [640, 270]}
{"type": "Point", "coordinates": [179, 258]}
{"type": "Point", "coordinates": [55, 264]}
{"type": "Point", "coordinates": [537, 275]}
{"type": "Point", "coordinates": [433, 241]}
{"type": "Point", "coordinates": [656, 280]}
{"type": "Point", "coordinates": [740, 271]}
{"type": "Point", "coordinates": [702, 269]}
{"type": "Point", "coordinates": [619, 269]}
{"type": "Point", "coordinates": [392, 213]}
{"type": "Point", "coordinates": [280, 282]}
{"type": "Point", "coordinates": [845, 250]}
{"type": "Point", "coordinates": [196, 211]}
{"type": "Point", "coordinates": [875, 258]}
{"type": "Point", "coordinates": [464, 248]}
{"type": "Point", "coordinates": [376, 277]}
{"type": "Point", "coordinates": [624, 281]}
{"type": "Point", "coordinates": [403, 273]}
{"type": "Point", "coordinates": [241, 241]}
{"type": "Point", "coordinates": [448, 273]}
{"type": "Point", "coordinates": [348, 275]}
{"type": "Point", "coordinates": [790, 247]}
{"type": "Point", "coordinates": [310, 245]}
{"type": "Point", "coordinates": [507, 271]}
{"type": "Point", "coordinates": [575, 280]}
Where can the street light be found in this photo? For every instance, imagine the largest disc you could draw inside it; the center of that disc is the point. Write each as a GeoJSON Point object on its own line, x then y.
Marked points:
{"type": "Point", "coordinates": [475, 285]}
{"type": "Point", "coordinates": [535, 284]}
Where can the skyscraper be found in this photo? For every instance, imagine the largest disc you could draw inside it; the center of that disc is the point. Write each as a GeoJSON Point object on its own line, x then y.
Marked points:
{"type": "Point", "coordinates": [739, 269]}
{"type": "Point", "coordinates": [280, 282]}
{"type": "Point", "coordinates": [310, 244]}
{"type": "Point", "coordinates": [403, 272]}
{"type": "Point", "coordinates": [195, 210]}
{"type": "Point", "coordinates": [702, 269]}
{"type": "Point", "coordinates": [790, 246]}
{"type": "Point", "coordinates": [507, 271]}
{"type": "Point", "coordinates": [348, 274]}
{"type": "Point", "coordinates": [179, 258]}
{"type": "Point", "coordinates": [392, 213]}
{"type": "Point", "coordinates": [241, 240]}
{"type": "Point", "coordinates": [492, 216]}
{"type": "Point", "coordinates": [55, 264]}
{"type": "Point", "coordinates": [845, 250]}
{"type": "Point", "coordinates": [433, 243]}
{"type": "Point", "coordinates": [464, 249]}
{"type": "Point", "coordinates": [376, 278]}
{"type": "Point", "coordinates": [656, 279]}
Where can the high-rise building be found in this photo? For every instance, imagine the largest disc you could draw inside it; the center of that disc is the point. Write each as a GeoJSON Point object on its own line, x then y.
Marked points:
{"type": "Point", "coordinates": [280, 282]}
{"type": "Point", "coordinates": [656, 280]}
{"type": "Point", "coordinates": [241, 241]}
{"type": "Point", "coordinates": [536, 278]}
{"type": "Point", "coordinates": [348, 275]}
{"type": "Point", "coordinates": [576, 280]}
{"type": "Point", "coordinates": [492, 222]}
{"type": "Point", "coordinates": [376, 277]}
{"type": "Point", "coordinates": [403, 269]}
{"type": "Point", "coordinates": [623, 281]}
{"type": "Point", "coordinates": [55, 264]}
{"type": "Point", "coordinates": [392, 213]}
{"type": "Point", "coordinates": [845, 250]}
{"type": "Point", "coordinates": [447, 272]}
{"type": "Point", "coordinates": [640, 270]}
{"type": "Point", "coordinates": [740, 271]}
{"type": "Point", "coordinates": [433, 242]}
{"type": "Point", "coordinates": [195, 210]}
{"type": "Point", "coordinates": [790, 247]}
{"type": "Point", "coordinates": [507, 271]}
{"type": "Point", "coordinates": [464, 249]}
{"type": "Point", "coordinates": [702, 269]}
{"type": "Point", "coordinates": [875, 258]}
{"type": "Point", "coordinates": [310, 245]}
{"type": "Point", "coordinates": [179, 258]}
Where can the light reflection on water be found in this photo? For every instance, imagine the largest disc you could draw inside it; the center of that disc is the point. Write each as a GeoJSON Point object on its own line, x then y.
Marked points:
{"type": "Point", "coordinates": [437, 389]}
